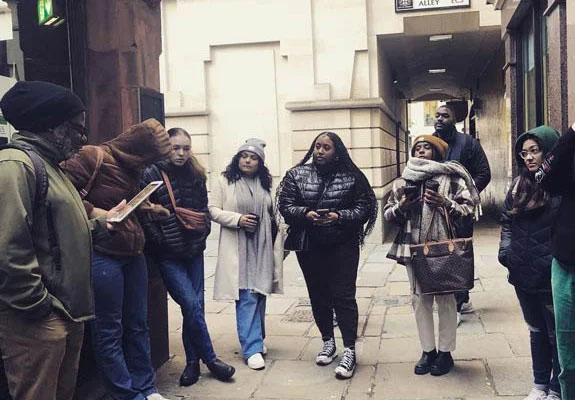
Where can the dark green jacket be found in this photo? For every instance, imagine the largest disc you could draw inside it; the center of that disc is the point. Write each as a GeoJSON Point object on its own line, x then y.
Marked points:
{"type": "Point", "coordinates": [31, 281]}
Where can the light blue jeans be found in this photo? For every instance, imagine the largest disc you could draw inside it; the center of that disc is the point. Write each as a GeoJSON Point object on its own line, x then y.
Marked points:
{"type": "Point", "coordinates": [250, 319]}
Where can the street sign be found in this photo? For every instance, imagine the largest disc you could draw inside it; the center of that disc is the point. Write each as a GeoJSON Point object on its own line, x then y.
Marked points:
{"type": "Point", "coordinates": [425, 5]}
{"type": "Point", "coordinates": [45, 11]}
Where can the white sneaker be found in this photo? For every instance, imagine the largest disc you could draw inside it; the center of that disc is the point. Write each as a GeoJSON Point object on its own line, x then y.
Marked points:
{"type": "Point", "coordinates": [256, 362]}
{"type": "Point", "coordinates": [346, 365]}
{"type": "Point", "coordinates": [264, 350]}
{"type": "Point", "coordinates": [327, 353]}
{"type": "Point", "coordinates": [553, 396]}
{"type": "Point", "coordinates": [155, 396]}
{"type": "Point", "coordinates": [536, 394]}
{"type": "Point", "coordinates": [467, 308]}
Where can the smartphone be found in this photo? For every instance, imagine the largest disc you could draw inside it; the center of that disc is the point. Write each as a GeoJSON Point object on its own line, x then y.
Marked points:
{"type": "Point", "coordinates": [432, 185]}
{"type": "Point", "coordinates": [411, 191]}
{"type": "Point", "coordinates": [137, 200]}
{"type": "Point", "coordinates": [323, 212]}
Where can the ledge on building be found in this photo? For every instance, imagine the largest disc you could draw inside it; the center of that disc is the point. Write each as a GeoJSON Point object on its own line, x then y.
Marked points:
{"type": "Point", "coordinates": [319, 105]}
{"type": "Point", "coordinates": [186, 112]}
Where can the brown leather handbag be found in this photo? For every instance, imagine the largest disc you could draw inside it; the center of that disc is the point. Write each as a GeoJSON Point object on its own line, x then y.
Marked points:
{"type": "Point", "coordinates": [190, 219]}
{"type": "Point", "coordinates": [445, 266]}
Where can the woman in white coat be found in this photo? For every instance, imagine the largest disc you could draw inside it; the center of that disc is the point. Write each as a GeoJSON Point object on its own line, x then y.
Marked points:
{"type": "Point", "coordinates": [250, 260]}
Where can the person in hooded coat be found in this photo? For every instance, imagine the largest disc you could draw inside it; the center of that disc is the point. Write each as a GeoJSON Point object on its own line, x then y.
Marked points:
{"type": "Point", "coordinates": [120, 335]}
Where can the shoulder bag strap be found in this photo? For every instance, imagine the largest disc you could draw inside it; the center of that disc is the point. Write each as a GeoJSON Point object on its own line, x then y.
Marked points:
{"type": "Point", "coordinates": [99, 161]}
{"type": "Point", "coordinates": [166, 179]}
{"type": "Point", "coordinates": [41, 178]}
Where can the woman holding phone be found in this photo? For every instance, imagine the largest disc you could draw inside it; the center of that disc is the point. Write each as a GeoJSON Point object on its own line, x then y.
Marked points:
{"type": "Point", "coordinates": [250, 258]}
{"type": "Point", "coordinates": [179, 246]}
{"type": "Point", "coordinates": [426, 184]}
{"type": "Point", "coordinates": [105, 175]}
{"type": "Point", "coordinates": [330, 208]}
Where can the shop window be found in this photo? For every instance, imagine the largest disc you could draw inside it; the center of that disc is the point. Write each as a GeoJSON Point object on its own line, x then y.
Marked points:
{"type": "Point", "coordinates": [534, 66]}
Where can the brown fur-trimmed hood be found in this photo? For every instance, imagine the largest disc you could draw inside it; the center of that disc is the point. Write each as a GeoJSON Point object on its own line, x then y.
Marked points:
{"type": "Point", "coordinates": [141, 145]}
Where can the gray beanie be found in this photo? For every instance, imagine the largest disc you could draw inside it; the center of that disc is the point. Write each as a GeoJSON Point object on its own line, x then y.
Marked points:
{"type": "Point", "coordinates": [254, 145]}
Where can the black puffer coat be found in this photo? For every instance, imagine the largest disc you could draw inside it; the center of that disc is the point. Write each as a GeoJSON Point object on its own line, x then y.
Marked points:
{"type": "Point", "coordinates": [305, 189]}
{"type": "Point", "coordinates": [167, 238]}
{"type": "Point", "coordinates": [525, 247]}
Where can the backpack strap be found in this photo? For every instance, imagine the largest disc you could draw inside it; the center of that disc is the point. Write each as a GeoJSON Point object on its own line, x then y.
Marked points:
{"type": "Point", "coordinates": [99, 161]}
{"type": "Point", "coordinates": [40, 202]}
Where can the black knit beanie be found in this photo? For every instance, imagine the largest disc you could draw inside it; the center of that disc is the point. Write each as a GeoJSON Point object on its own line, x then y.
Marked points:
{"type": "Point", "coordinates": [39, 106]}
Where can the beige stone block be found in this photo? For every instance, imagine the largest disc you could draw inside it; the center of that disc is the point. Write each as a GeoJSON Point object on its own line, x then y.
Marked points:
{"type": "Point", "coordinates": [277, 305]}
{"type": "Point", "coordinates": [275, 325]}
{"type": "Point", "coordinates": [285, 347]}
{"type": "Point", "coordinates": [397, 381]}
{"type": "Point", "coordinates": [364, 292]}
{"type": "Point", "coordinates": [314, 331]}
{"type": "Point", "coordinates": [362, 158]}
{"type": "Point", "coordinates": [399, 288]}
{"type": "Point", "coordinates": [221, 323]}
{"type": "Point", "coordinates": [367, 349]}
{"type": "Point", "coordinates": [362, 382]}
{"type": "Point", "coordinates": [374, 325]}
{"type": "Point", "coordinates": [384, 267]}
{"type": "Point", "coordinates": [482, 346]}
{"type": "Point", "coordinates": [408, 309]}
{"type": "Point", "coordinates": [512, 376]}
{"type": "Point", "coordinates": [194, 125]}
{"type": "Point", "coordinates": [361, 137]}
{"type": "Point", "coordinates": [399, 350]}
{"type": "Point", "coordinates": [399, 325]}
{"type": "Point", "coordinates": [324, 119]}
{"type": "Point", "coordinates": [520, 343]}
{"type": "Point", "coordinates": [361, 118]}
{"type": "Point", "coordinates": [299, 380]}
{"type": "Point", "coordinates": [371, 279]}
{"type": "Point", "coordinates": [242, 385]}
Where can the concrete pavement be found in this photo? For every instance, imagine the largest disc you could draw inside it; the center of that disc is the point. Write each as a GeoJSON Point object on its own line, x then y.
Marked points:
{"type": "Point", "coordinates": [492, 356]}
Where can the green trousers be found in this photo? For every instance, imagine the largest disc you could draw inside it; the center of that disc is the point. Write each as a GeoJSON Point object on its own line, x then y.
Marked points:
{"type": "Point", "coordinates": [563, 282]}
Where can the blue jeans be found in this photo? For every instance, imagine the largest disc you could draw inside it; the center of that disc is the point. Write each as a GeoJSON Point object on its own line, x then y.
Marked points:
{"type": "Point", "coordinates": [538, 314]}
{"type": "Point", "coordinates": [120, 336]}
{"type": "Point", "coordinates": [184, 280]}
{"type": "Point", "coordinates": [250, 319]}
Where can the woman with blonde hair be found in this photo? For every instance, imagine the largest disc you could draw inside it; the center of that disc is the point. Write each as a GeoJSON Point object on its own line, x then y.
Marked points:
{"type": "Point", "coordinates": [180, 250]}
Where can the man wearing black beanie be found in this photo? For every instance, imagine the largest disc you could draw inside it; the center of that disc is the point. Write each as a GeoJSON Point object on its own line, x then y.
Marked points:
{"type": "Point", "coordinates": [45, 288]}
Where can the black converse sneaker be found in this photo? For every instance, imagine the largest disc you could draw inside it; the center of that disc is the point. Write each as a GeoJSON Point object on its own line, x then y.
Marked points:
{"type": "Point", "coordinates": [346, 365]}
{"type": "Point", "coordinates": [328, 353]}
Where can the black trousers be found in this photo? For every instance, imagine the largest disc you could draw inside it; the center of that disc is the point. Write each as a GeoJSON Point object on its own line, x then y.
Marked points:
{"type": "Point", "coordinates": [330, 274]}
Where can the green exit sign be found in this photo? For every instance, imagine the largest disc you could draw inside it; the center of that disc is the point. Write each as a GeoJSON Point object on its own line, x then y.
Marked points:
{"type": "Point", "coordinates": [45, 11]}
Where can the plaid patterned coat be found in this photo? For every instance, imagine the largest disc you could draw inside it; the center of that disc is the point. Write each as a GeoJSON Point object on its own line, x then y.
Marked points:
{"type": "Point", "coordinates": [421, 221]}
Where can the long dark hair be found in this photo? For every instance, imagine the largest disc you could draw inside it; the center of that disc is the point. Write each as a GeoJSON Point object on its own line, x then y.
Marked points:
{"type": "Point", "coordinates": [528, 191]}
{"type": "Point", "coordinates": [344, 163]}
{"type": "Point", "coordinates": [197, 170]}
{"type": "Point", "coordinates": [233, 174]}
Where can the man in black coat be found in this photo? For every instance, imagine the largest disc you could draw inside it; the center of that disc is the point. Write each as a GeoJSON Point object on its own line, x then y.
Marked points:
{"type": "Point", "coordinates": [470, 154]}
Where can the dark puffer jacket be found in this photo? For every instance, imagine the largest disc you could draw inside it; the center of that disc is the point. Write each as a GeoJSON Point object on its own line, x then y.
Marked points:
{"type": "Point", "coordinates": [525, 247]}
{"type": "Point", "coordinates": [167, 238]}
{"type": "Point", "coordinates": [303, 190]}
{"type": "Point", "coordinates": [557, 175]}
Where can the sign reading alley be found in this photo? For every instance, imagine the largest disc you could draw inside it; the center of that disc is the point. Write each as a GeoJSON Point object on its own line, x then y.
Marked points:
{"type": "Point", "coordinates": [423, 5]}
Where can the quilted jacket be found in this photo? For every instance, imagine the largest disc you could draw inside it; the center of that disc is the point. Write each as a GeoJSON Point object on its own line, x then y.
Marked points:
{"type": "Point", "coordinates": [525, 246]}
{"type": "Point", "coordinates": [167, 237]}
{"type": "Point", "coordinates": [305, 189]}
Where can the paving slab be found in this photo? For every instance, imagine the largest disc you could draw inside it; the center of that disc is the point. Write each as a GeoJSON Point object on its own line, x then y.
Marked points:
{"type": "Point", "coordinates": [397, 381]}
{"type": "Point", "coordinates": [242, 385]}
{"type": "Point", "coordinates": [300, 380]}
{"type": "Point", "coordinates": [511, 376]}
{"type": "Point", "coordinates": [482, 346]}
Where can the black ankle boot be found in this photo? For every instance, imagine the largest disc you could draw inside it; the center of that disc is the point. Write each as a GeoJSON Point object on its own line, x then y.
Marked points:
{"type": "Point", "coordinates": [190, 375]}
{"type": "Point", "coordinates": [423, 366]}
{"type": "Point", "coordinates": [221, 370]}
{"type": "Point", "coordinates": [442, 364]}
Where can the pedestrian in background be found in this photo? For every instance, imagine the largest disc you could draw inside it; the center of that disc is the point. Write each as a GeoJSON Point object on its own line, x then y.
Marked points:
{"type": "Point", "coordinates": [466, 150]}
{"type": "Point", "coordinates": [106, 174]}
{"type": "Point", "coordinates": [414, 211]}
{"type": "Point", "coordinates": [525, 250]}
{"type": "Point", "coordinates": [179, 246]}
{"type": "Point", "coordinates": [250, 257]}
{"type": "Point", "coordinates": [557, 175]}
{"type": "Point", "coordinates": [326, 204]}
{"type": "Point", "coordinates": [46, 241]}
